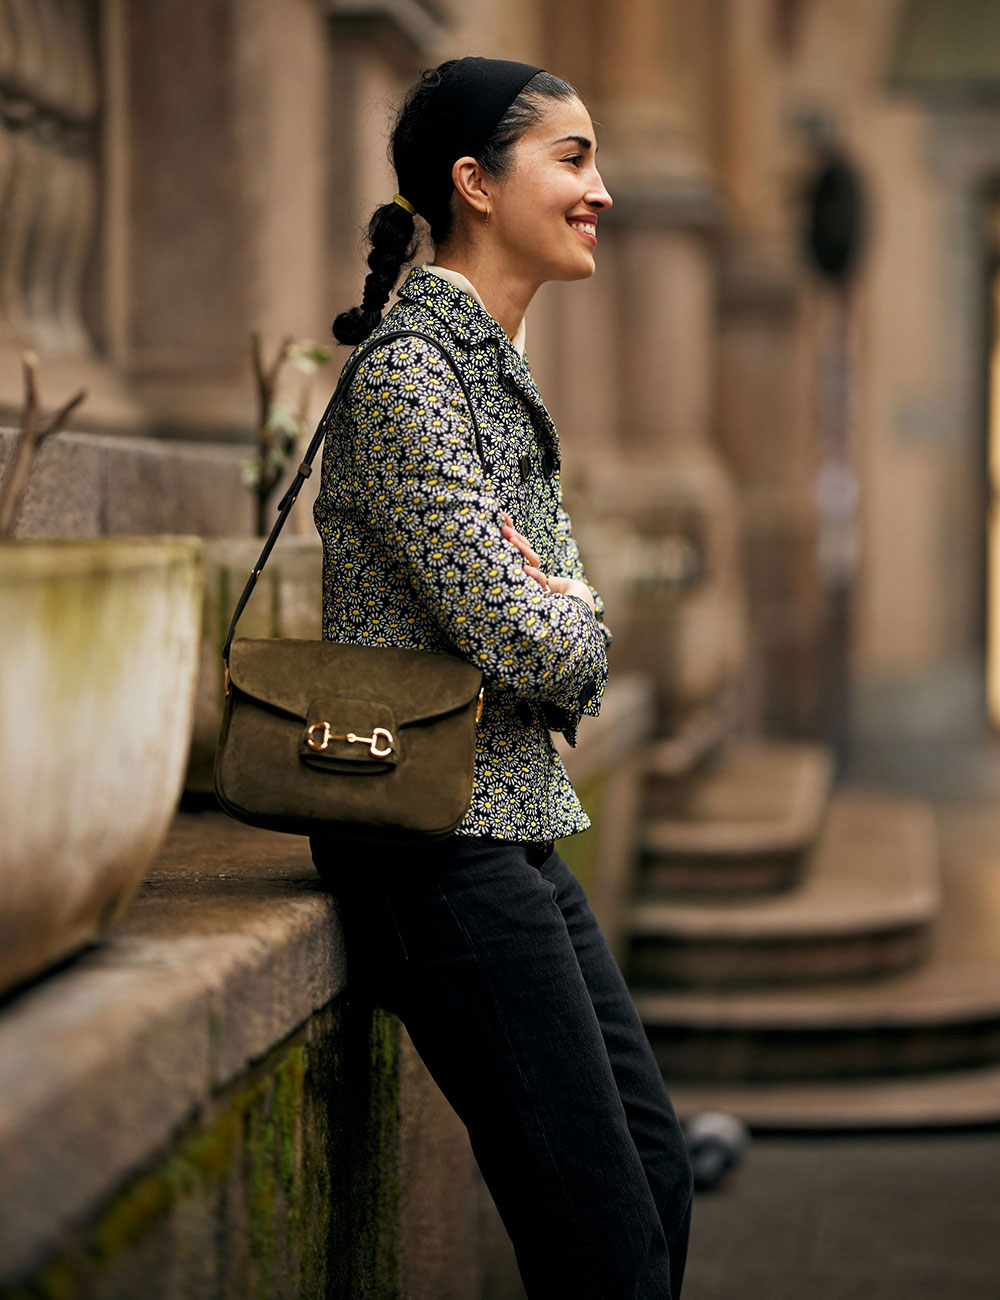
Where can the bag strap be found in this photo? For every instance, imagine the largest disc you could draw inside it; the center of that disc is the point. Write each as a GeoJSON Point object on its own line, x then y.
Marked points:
{"type": "Point", "coordinates": [305, 468]}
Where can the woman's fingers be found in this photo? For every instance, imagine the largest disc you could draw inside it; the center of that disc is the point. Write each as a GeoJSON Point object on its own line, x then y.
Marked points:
{"type": "Point", "coordinates": [522, 543]}
{"type": "Point", "coordinates": [533, 571]}
{"type": "Point", "coordinates": [513, 536]}
{"type": "Point", "coordinates": [533, 566]}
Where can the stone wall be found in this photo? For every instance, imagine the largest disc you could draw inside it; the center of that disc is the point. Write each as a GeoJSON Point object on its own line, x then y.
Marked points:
{"type": "Point", "coordinates": [200, 1107]}
{"type": "Point", "coordinates": [90, 485]}
{"type": "Point", "coordinates": [271, 1191]}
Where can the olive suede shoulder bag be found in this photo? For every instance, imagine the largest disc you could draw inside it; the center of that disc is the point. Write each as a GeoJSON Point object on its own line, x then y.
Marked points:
{"type": "Point", "coordinates": [361, 741]}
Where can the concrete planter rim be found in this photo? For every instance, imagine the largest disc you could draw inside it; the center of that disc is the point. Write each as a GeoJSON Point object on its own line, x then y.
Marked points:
{"type": "Point", "coordinates": [28, 557]}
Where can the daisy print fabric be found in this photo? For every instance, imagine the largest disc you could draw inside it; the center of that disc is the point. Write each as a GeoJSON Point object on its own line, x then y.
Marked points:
{"type": "Point", "coordinates": [409, 513]}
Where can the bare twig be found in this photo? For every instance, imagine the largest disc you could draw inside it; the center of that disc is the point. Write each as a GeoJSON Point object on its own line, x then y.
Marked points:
{"type": "Point", "coordinates": [31, 436]}
{"type": "Point", "coordinates": [266, 378]}
{"type": "Point", "coordinates": [279, 428]}
{"type": "Point", "coordinates": [279, 361]}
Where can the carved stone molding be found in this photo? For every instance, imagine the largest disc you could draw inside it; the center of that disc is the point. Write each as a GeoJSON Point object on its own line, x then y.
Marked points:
{"type": "Point", "coordinates": [51, 122]}
{"type": "Point", "coordinates": [49, 104]}
{"type": "Point", "coordinates": [417, 26]}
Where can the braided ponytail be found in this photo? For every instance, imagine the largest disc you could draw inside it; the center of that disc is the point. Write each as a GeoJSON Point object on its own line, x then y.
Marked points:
{"type": "Point", "coordinates": [391, 235]}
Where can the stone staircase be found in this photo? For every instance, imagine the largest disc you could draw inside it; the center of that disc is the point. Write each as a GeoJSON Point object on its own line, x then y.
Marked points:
{"type": "Point", "coordinates": [798, 955]}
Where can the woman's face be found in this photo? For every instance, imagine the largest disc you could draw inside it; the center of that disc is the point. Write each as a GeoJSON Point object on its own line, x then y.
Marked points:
{"type": "Point", "coordinates": [544, 209]}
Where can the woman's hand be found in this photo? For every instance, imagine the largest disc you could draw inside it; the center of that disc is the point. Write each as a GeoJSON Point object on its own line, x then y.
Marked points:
{"type": "Point", "coordinates": [565, 586]}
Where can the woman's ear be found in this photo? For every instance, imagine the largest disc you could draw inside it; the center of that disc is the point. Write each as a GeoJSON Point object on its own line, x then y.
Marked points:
{"type": "Point", "coordinates": [472, 184]}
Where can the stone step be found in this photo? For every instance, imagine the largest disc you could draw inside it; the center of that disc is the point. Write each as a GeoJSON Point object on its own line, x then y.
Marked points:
{"type": "Point", "coordinates": [952, 1099]}
{"type": "Point", "coordinates": [869, 896]}
{"type": "Point", "coordinates": [943, 1015]}
{"type": "Point", "coordinates": [740, 824]}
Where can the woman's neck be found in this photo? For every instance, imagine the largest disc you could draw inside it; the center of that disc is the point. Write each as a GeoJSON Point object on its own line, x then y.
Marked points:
{"type": "Point", "coordinates": [504, 296]}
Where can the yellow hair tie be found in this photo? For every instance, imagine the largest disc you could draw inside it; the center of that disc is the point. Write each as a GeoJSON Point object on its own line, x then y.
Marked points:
{"type": "Point", "coordinates": [404, 203]}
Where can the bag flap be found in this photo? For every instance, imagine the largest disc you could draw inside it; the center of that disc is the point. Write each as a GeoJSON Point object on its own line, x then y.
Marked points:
{"type": "Point", "coordinates": [288, 674]}
{"type": "Point", "coordinates": [350, 734]}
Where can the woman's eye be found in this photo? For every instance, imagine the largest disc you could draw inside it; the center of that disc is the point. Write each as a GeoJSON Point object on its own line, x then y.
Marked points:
{"type": "Point", "coordinates": [574, 158]}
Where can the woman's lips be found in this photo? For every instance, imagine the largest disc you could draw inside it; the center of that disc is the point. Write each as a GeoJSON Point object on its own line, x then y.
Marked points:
{"type": "Point", "coordinates": [585, 229]}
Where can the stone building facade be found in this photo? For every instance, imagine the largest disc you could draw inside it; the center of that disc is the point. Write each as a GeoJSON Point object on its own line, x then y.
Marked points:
{"type": "Point", "coordinates": [172, 177]}
{"type": "Point", "coordinates": [787, 360]}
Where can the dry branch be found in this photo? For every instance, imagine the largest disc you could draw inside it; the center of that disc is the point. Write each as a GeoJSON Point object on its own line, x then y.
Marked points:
{"type": "Point", "coordinates": [30, 437]}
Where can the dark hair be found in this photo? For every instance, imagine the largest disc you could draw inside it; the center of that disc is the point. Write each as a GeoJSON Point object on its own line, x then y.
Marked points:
{"type": "Point", "coordinates": [392, 230]}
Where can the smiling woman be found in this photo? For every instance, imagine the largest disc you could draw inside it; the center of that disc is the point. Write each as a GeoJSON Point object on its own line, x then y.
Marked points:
{"type": "Point", "coordinates": [544, 211]}
{"type": "Point", "coordinates": [443, 530]}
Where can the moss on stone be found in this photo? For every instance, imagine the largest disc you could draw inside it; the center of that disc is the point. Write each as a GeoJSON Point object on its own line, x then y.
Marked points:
{"type": "Point", "coordinates": [289, 1092]}
{"type": "Point", "coordinates": [130, 1217]}
{"type": "Point", "coordinates": [57, 1281]}
{"type": "Point", "coordinates": [310, 1134]}
{"type": "Point", "coordinates": [378, 1232]}
{"type": "Point", "coordinates": [211, 1152]}
{"type": "Point", "coordinates": [261, 1198]}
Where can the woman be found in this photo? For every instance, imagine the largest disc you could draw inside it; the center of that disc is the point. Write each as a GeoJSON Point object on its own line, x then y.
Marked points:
{"type": "Point", "coordinates": [484, 944]}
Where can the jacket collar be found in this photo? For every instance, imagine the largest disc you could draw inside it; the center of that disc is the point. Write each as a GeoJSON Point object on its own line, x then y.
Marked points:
{"type": "Point", "coordinates": [463, 282]}
{"type": "Point", "coordinates": [466, 319]}
{"type": "Point", "coordinates": [472, 326]}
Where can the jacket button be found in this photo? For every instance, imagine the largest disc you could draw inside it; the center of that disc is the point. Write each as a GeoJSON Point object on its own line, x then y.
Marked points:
{"type": "Point", "coordinates": [524, 712]}
{"type": "Point", "coordinates": [524, 465]}
{"type": "Point", "coordinates": [550, 462]}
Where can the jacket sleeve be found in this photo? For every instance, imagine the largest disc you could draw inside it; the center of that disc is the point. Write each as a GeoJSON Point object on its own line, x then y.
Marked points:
{"type": "Point", "coordinates": [568, 564]}
{"type": "Point", "coordinates": [418, 481]}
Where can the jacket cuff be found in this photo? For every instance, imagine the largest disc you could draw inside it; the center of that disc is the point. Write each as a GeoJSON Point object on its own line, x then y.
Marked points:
{"type": "Point", "coordinates": [559, 719]}
{"type": "Point", "coordinates": [566, 720]}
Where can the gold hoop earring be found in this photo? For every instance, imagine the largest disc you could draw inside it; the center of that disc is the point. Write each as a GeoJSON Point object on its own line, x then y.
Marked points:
{"type": "Point", "coordinates": [487, 216]}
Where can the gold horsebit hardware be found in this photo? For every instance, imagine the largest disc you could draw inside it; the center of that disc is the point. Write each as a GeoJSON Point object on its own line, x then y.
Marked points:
{"type": "Point", "coordinates": [371, 741]}
{"type": "Point", "coordinates": [352, 739]}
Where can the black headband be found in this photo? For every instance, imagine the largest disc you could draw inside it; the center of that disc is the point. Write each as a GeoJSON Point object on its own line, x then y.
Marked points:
{"type": "Point", "coordinates": [457, 119]}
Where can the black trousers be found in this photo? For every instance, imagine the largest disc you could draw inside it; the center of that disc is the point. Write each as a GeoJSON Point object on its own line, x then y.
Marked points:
{"type": "Point", "coordinates": [490, 955]}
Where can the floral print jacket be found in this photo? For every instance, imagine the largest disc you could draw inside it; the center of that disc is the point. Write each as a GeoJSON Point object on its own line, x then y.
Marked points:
{"type": "Point", "coordinates": [410, 514]}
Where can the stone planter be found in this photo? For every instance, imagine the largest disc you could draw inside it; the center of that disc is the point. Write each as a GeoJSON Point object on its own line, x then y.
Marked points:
{"type": "Point", "coordinates": [287, 601]}
{"type": "Point", "coordinates": [100, 640]}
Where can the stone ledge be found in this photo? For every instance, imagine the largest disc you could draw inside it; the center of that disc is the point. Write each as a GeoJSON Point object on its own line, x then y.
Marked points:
{"type": "Point", "coordinates": [231, 944]}
{"type": "Point", "coordinates": [89, 484]}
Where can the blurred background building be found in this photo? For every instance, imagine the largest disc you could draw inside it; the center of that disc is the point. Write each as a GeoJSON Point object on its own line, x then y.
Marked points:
{"type": "Point", "coordinates": [779, 404]}
{"type": "Point", "coordinates": [796, 284]}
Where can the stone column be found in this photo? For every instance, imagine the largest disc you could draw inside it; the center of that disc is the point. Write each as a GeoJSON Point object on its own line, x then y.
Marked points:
{"type": "Point", "coordinates": [643, 357]}
{"type": "Point", "coordinates": [227, 110]}
{"type": "Point", "coordinates": [765, 411]}
{"type": "Point", "coordinates": [665, 209]}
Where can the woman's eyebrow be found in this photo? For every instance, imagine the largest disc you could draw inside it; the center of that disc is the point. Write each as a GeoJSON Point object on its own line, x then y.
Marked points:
{"type": "Point", "coordinates": [581, 140]}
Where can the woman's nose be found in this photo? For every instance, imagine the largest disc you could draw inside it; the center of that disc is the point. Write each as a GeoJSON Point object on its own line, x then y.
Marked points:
{"type": "Point", "coordinates": [597, 196]}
